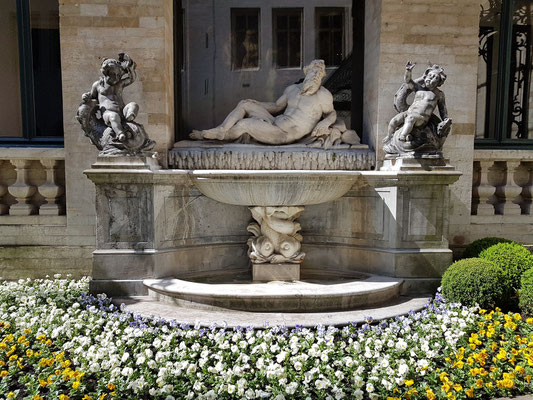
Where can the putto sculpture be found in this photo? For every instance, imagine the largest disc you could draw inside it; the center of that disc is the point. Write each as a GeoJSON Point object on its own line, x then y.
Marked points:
{"type": "Point", "coordinates": [303, 114]}
{"type": "Point", "coordinates": [416, 131]}
{"type": "Point", "coordinates": [104, 117]}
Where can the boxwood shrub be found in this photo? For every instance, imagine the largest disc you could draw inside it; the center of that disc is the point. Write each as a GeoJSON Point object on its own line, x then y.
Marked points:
{"type": "Point", "coordinates": [477, 246]}
{"type": "Point", "coordinates": [475, 280]}
{"type": "Point", "coordinates": [526, 292]}
{"type": "Point", "coordinates": [513, 258]}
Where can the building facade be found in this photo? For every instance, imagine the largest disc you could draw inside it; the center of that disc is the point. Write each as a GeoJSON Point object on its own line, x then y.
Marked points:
{"type": "Point", "coordinates": [196, 59]}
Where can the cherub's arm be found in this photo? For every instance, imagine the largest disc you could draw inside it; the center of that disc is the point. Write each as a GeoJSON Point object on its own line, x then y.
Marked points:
{"type": "Point", "coordinates": [441, 103]}
{"type": "Point", "coordinates": [408, 76]}
{"type": "Point", "coordinates": [130, 67]}
{"type": "Point", "coordinates": [92, 94]}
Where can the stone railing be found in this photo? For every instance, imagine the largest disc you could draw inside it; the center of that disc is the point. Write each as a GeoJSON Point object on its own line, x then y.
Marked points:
{"type": "Point", "coordinates": [502, 184]}
{"type": "Point", "coordinates": [32, 182]}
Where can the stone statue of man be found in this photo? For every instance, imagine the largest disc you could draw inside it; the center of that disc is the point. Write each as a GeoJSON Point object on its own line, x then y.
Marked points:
{"type": "Point", "coordinates": [304, 108]}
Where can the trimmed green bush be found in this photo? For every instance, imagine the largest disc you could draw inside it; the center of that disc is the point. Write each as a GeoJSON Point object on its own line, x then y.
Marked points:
{"type": "Point", "coordinates": [475, 280]}
{"type": "Point", "coordinates": [477, 246]}
{"type": "Point", "coordinates": [526, 292]}
{"type": "Point", "coordinates": [513, 258]}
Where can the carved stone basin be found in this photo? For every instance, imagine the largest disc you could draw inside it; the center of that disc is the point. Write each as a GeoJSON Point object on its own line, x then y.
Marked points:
{"type": "Point", "coordinates": [276, 199]}
{"type": "Point", "coordinates": [273, 188]}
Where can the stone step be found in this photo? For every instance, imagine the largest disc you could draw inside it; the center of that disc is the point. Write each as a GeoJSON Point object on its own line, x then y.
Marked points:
{"type": "Point", "coordinates": [307, 295]}
{"type": "Point", "coordinates": [148, 306]}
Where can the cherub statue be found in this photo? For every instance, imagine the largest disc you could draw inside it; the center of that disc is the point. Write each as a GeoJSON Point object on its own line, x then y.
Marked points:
{"type": "Point", "coordinates": [415, 129]}
{"type": "Point", "coordinates": [304, 111]}
{"type": "Point", "coordinates": [113, 129]}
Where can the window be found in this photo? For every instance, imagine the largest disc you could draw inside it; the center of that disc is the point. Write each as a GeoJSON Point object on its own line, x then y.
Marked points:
{"type": "Point", "coordinates": [245, 38]}
{"type": "Point", "coordinates": [330, 35]}
{"type": "Point", "coordinates": [30, 73]}
{"type": "Point", "coordinates": [504, 103]}
{"type": "Point", "coordinates": [287, 35]}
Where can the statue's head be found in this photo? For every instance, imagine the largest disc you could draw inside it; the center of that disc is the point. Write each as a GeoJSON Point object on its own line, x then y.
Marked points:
{"type": "Point", "coordinates": [314, 72]}
{"type": "Point", "coordinates": [112, 71]}
{"type": "Point", "coordinates": [434, 76]}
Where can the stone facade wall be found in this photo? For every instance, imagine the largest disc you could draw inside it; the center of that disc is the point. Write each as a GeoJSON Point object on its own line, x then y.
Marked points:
{"type": "Point", "coordinates": [436, 32]}
{"type": "Point", "coordinates": [89, 31]}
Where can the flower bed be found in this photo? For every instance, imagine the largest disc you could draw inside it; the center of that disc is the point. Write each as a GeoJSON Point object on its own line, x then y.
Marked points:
{"type": "Point", "coordinates": [70, 345]}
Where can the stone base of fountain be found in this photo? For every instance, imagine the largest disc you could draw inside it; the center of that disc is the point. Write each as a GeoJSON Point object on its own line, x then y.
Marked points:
{"type": "Point", "coordinates": [169, 229]}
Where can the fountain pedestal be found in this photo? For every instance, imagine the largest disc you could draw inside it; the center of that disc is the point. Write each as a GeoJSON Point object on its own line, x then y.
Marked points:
{"type": "Point", "coordinates": [275, 272]}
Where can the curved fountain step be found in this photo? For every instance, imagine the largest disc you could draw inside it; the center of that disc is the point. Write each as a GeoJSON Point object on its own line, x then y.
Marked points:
{"type": "Point", "coordinates": [148, 306]}
{"type": "Point", "coordinates": [297, 296]}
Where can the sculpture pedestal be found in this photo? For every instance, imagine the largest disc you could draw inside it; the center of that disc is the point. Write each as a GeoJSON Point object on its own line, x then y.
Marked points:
{"type": "Point", "coordinates": [275, 272]}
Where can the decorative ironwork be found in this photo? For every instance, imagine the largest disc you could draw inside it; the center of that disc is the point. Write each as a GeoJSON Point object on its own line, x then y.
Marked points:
{"type": "Point", "coordinates": [519, 90]}
{"type": "Point", "coordinates": [339, 83]}
{"type": "Point", "coordinates": [485, 51]}
{"type": "Point", "coordinates": [485, 42]}
{"type": "Point", "coordinates": [490, 15]}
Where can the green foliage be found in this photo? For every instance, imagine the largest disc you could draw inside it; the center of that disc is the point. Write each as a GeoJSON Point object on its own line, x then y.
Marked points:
{"type": "Point", "coordinates": [474, 280]}
{"type": "Point", "coordinates": [526, 292]}
{"type": "Point", "coordinates": [513, 258]}
{"type": "Point", "coordinates": [477, 246]}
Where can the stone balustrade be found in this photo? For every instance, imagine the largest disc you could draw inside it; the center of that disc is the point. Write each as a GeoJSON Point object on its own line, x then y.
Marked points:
{"type": "Point", "coordinates": [32, 182]}
{"type": "Point", "coordinates": [502, 184]}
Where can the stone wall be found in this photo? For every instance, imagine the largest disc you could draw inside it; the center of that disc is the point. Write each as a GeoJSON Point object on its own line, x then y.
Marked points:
{"type": "Point", "coordinates": [436, 32]}
{"type": "Point", "coordinates": [90, 30]}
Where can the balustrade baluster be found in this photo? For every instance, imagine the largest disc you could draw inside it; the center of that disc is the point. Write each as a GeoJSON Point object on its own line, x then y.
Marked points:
{"type": "Point", "coordinates": [3, 191]}
{"type": "Point", "coordinates": [526, 192]}
{"type": "Point", "coordinates": [485, 190]}
{"type": "Point", "coordinates": [50, 190]}
{"type": "Point", "coordinates": [512, 190]}
{"type": "Point", "coordinates": [21, 190]}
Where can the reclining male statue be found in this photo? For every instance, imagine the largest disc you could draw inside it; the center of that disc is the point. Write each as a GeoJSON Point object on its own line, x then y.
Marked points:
{"type": "Point", "coordinates": [303, 109]}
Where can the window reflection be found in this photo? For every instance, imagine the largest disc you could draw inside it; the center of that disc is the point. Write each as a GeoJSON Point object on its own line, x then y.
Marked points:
{"type": "Point", "coordinates": [245, 34]}
{"type": "Point", "coordinates": [287, 32]}
{"type": "Point", "coordinates": [330, 35]}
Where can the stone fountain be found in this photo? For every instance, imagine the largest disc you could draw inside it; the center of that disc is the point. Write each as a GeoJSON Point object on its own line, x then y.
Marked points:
{"type": "Point", "coordinates": [277, 209]}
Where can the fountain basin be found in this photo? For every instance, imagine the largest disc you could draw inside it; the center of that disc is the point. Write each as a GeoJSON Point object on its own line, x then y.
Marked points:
{"type": "Point", "coordinates": [273, 188]}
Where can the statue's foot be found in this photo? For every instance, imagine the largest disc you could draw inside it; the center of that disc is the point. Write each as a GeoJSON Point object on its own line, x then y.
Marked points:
{"type": "Point", "coordinates": [196, 135]}
{"type": "Point", "coordinates": [214, 133]}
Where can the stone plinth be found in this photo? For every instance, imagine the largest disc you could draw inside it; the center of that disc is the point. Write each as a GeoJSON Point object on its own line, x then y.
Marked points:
{"type": "Point", "coordinates": [275, 272]}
